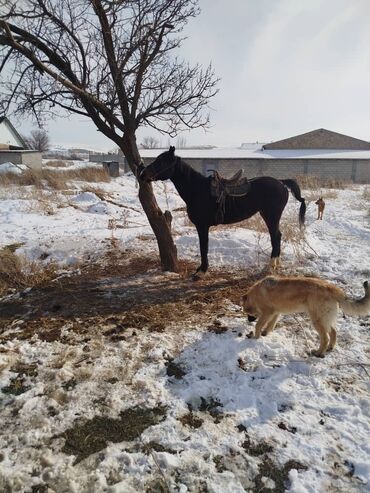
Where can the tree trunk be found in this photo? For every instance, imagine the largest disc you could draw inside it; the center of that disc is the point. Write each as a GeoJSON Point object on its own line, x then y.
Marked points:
{"type": "Point", "coordinates": [156, 218]}
{"type": "Point", "coordinates": [160, 226]}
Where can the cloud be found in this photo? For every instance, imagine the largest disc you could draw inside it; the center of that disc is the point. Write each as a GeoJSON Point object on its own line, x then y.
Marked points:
{"type": "Point", "coordinates": [286, 67]}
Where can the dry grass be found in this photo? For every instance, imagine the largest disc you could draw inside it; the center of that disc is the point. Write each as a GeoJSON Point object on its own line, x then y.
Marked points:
{"type": "Point", "coordinates": [54, 179]}
{"type": "Point", "coordinates": [36, 200]}
{"type": "Point", "coordinates": [98, 191]}
{"type": "Point", "coordinates": [138, 300]}
{"type": "Point", "coordinates": [43, 201]}
{"type": "Point", "coordinates": [366, 193]}
{"type": "Point", "coordinates": [325, 194]}
{"type": "Point", "coordinates": [18, 273]}
{"type": "Point", "coordinates": [58, 163]}
{"type": "Point", "coordinates": [312, 182]}
{"type": "Point", "coordinates": [292, 234]}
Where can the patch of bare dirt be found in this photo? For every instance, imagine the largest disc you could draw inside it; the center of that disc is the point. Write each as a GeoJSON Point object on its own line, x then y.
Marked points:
{"type": "Point", "coordinates": [126, 292]}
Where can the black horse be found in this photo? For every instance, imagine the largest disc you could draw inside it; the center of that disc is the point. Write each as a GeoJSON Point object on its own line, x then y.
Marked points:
{"type": "Point", "coordinates": [266, 195]}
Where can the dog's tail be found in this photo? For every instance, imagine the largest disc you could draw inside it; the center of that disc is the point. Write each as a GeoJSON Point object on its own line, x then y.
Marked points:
{"type": "Point", "coordinates": [357, 307]}
{"type": "Point", "coordinates": [296, 191]}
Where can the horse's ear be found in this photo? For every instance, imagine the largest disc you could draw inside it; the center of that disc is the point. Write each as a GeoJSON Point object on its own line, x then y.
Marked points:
{"type": "Point", "coordinates": [172, 150]}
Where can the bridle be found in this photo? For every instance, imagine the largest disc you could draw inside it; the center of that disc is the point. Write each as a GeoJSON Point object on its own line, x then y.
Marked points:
{"type": "Point", "coordinates": [172, 165]}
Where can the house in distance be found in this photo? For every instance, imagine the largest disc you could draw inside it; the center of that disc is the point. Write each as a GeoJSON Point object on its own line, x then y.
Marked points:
{"type": "Point", "coordinates": [320, 153]}
{"type": "Point", "coordinates": [14, 150]}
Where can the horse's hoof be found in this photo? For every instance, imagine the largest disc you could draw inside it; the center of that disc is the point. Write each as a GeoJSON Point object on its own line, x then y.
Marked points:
{"type": "Point", "coordinates": [275, 263]}
{"type": "Point", "coordinates": [198, 275]}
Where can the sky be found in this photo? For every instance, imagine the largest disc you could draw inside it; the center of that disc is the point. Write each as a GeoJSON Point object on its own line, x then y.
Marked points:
{"type": "Point", "coordinates": [286, 67]}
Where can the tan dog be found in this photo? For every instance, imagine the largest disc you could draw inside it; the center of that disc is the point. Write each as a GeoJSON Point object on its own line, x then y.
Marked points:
{"type": "Point", "coordinates": [267, 299]}
{"type": "Point", "coordinates": [320, 207]}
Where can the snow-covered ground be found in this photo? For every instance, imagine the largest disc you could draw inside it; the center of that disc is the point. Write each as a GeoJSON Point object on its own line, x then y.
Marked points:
{"type": "Point", "coordinates": [235, 414]}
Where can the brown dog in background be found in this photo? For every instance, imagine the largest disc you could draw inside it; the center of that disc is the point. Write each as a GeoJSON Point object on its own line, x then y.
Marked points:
{"type": "Point", "coordinates": [320, 207]}
{"type": "Point", "coordinates": [267, 299]}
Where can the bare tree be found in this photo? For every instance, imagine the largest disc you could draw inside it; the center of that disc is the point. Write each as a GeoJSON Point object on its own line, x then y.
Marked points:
{"type": "Point", "coordinates": [37, 140]}
{"type": "Point", "coordinates": [112, 62]}
{"type": "Point", "coordinates": [181, 142]}
{"type": "Point", "coordinates": [150, 143]}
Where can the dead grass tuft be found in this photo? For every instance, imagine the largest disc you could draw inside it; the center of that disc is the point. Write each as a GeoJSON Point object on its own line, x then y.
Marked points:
{"type": "Point", "coordinates": [57, 179]}
{"type": "Point", "coordinates": [366, 193]}
{"type": "Point", "coordinates": [312, 196]}
{"type": "Point", "coordinates": [12, 247]}
{"type": "Point", "coordinates": [58, 163]}
{"type": "Point", "coordinates": [99, 192]}
{"type": "Point", "coordinates": [312, 182]}
{"type": "Point", "coordinates": [291, 232]}
{"type": "Point", "coordinates": [18, 273]}
{"type": "Point", "coordinates": [90, 174]}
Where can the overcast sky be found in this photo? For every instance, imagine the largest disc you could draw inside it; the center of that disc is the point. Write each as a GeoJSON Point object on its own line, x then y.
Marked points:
{"type": "Point", "coordinates": [286, 67]}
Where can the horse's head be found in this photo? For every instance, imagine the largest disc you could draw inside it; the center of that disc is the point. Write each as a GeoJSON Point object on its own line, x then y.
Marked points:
{"type": "Point", "coordinates": [162, 168]}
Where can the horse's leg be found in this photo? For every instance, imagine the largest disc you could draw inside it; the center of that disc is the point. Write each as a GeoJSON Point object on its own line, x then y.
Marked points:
{"type": "Point", "coordinates": [272, 220]}
{"type": "Point", "coordinates": [203, 243]}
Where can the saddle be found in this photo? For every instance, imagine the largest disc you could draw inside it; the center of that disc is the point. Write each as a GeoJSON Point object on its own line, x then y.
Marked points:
{"type": "Point", "coordinates": [236, 186]}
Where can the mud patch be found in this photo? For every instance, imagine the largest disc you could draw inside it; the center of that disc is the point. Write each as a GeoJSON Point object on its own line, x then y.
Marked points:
{"type": "Point", "coordinates": [255, 450]}
{"type": "Point", "coordinates": [279, 475]}
{"type": "Point", "coordinates": [217, 327]}
{"type": "Point", "coordinates": [191, 420]}
{"type": "Point", "coordinates": [285, 427]}
{"type": "Point", "coordinates": [92, 436]}
{"type": "Point", "coordinates": [211, 406]}
{"type": "Point", "coordinates": [16, 386]}
{"type": "Point", "coordinates": [173, 369]}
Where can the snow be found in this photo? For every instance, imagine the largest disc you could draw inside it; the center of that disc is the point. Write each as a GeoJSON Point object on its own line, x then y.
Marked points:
{"type": "Point", "coordinates": [313, 411]}
{"type": "Point", "coordinates": [10, 168]}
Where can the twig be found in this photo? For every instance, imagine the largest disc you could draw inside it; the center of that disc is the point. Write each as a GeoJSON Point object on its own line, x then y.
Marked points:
{"type": "Point", "coordinates": [104, 199]}
{"type": "Point", "coordinates": [351, 363]}
{"type": "Point", "coordinates": [310, 247]}
{"type": "Point", "coordinates": [158, 467]}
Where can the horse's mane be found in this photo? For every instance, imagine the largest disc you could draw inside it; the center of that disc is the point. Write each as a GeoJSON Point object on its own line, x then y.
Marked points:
{"type": "Point", "coordinates": [188, 170]}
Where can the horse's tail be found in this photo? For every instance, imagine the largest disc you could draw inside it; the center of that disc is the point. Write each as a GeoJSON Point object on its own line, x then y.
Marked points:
{"type": "Point", "coordinates": [296, 191]}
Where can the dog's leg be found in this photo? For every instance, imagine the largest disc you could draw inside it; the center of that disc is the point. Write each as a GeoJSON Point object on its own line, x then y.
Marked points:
{"type": "Point", "coordinates": [333, 339]}
{"type": "Point", "coordinates": [261, 324]}
{"type": "Point", "coordinates": [324, 338]}
{"type": "Point", "coordinates": [271, 324]}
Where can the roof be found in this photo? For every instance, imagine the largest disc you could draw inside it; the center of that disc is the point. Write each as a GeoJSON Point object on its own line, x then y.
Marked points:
{"type": "Point", "coordinates": [15, 151]}
{"type": "Point", "coordinates": [9, 135]}
{"type": "Point", "coordinates": [319, 139]}
{"type": "Point", "coordinates": [240, 153]}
